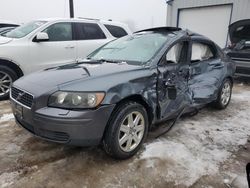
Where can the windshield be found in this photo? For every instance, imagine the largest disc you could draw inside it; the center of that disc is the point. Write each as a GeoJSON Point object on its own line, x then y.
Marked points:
{"type": "Point", "coordinates": [139, 48]}
{"type": "Point", "coordinates": [25, 29]}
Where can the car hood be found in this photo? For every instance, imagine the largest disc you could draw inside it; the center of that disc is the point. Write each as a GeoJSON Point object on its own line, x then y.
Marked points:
{"type": "Point", "coordinates": [239, 31]}
{"type": "Point", "coordinates": [75, 72]}
{"type": "Point", "coordinates": [5, 40]}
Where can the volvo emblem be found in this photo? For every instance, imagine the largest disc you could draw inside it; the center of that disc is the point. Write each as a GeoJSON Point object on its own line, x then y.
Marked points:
{"type": "Point", "coordinates": [19, 96]}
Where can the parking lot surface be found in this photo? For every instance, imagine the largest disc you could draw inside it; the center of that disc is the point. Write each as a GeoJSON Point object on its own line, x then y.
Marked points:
{"type": "Point", "coordinates": [210, 149]}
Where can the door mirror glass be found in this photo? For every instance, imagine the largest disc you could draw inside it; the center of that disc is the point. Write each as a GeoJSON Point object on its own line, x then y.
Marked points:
{"type": "Point", "coordinates": [42, 37]}
{"type": "Point", "coordinates": [172, 92]}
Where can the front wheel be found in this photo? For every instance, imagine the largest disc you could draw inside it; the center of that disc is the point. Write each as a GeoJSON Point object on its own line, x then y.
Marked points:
{"type": "Point", "coordinates": [7, 77]}
{"type": "Point", "coordinates": [224, 95]}
{"type": "Point", "coordinates": [126, 130]}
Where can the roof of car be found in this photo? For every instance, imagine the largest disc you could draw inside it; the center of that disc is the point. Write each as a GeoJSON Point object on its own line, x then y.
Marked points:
{"type": "Point", "coordinates": [160, 29]}
{"type": "Point", "coordinates": [172, 30]}
{"type": "Point", "coordinates": [80, 19]}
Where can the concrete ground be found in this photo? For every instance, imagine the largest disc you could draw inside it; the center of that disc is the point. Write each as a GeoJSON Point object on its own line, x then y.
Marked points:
{"type": "Point", "coordinates": [210, 149]}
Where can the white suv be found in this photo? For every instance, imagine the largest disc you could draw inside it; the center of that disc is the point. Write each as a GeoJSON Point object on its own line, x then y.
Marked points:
{"type": "Point", "coordinates": [51, 42]}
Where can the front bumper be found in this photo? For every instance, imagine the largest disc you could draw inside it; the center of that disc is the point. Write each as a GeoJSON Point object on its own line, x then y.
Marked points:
{"type": "Point", "coordinates": [80, 128]}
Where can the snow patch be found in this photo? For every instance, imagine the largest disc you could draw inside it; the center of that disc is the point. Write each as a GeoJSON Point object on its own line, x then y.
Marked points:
{"type": "Point", "coordinates": [197, 146]}
{"type": "Point", "coordinates": [6, 117]}
{"type": "Point", "coordinates": [12, 148]}
{"type": "Point", "coordinates": [7, 179]}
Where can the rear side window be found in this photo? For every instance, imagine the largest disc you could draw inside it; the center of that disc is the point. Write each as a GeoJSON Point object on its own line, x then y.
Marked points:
{"type": "Point", "coordinates": [89, 31]}
{"type": "Point", "coordinates": [59, 32]}
{"type": "Point", "coordinates": [201, 52]}
{"type": "Point", "coordinates": [116, 31]}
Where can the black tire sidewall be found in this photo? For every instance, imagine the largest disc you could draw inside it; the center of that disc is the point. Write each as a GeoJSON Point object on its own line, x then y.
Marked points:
{"type": "Point", "coordinates": [13, 76]}
{"type": "Point", "coordinates": [111, 141]}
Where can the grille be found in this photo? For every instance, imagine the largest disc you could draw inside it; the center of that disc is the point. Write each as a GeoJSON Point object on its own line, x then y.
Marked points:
{"type": "Point", "coordinates": [22, 97]}
{"type": "Point", "coordinates": [52, 135]}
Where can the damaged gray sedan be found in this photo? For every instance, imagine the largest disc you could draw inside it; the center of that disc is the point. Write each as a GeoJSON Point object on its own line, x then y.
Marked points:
{"type": "Point", "coordinates": [123, 88]}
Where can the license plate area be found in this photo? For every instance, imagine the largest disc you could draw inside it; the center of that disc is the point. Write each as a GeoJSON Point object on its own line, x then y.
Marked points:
{"type": "Point", "coordinates": [18, 111]}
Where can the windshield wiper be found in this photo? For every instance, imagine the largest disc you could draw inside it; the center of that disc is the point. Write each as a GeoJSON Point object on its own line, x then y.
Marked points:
{"type": "Point", "coordinates": [102, 60]}
{"type": "Point", "coordinates": [108, 60]}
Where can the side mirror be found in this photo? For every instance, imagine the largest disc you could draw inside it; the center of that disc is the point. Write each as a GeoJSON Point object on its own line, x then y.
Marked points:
{"type": "Point", "coordinates": [40, 37]}
{"type": "Point", "coordinates": [172, 92]}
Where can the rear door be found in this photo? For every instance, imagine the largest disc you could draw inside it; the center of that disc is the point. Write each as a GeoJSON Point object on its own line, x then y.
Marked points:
{"type": "Point", "coordinates": [173, 72]}
{"type": "Point", "coordinates": [89, 37]}
{"type": "Point", "coordinates": [206, 71]}
{"type": "Point", "coordinates": [58, 50]}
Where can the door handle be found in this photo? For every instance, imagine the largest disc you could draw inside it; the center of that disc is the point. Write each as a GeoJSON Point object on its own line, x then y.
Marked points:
{"type": "Point", "coordinates": [70, 47]}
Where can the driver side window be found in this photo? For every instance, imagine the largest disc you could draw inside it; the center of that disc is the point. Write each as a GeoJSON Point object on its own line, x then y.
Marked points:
{"type": "Point", "coordinates": [177, 53]}
{"type": "Point", "coordinates": [59, 32]}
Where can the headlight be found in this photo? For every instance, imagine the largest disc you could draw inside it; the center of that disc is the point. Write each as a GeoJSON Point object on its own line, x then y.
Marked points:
{"type": "Point", "coordinates": [62, 99]}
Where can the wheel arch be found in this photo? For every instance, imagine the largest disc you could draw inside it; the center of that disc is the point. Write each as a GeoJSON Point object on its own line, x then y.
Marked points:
{"type": "Point", "coordinates": [12, 66]}
{"type": "Point", "coordinates": [133, 98]}
{"type": "Point", "coordinates": [231, 79]}
{"type": "Point", "coordinates": [139, 99]}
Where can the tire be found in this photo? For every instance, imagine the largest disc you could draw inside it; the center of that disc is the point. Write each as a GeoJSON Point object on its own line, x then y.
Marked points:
{"type": "Point", "coordinates": [224, 95]}
{"type": "Point", "coordinates": [123, 139]}
{"type": "Point", "coordinates": [7, 77]}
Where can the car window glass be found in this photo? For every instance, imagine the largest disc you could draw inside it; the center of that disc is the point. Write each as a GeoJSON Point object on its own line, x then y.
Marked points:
{"type": "Point", "coordinates": [116, 31]}
{"type": "Point", "coordinates": [201, 52]}
{"type": "Point", "coordinates": [89, 31]}
{"type": "Point", "coordinates": [138, 48]}
{"type": "Point", "coordinates": [25, 29]}
{"type": "Point", "coordinates": [175, 53]}
{"type": "Point", "coordinates": [59, 32]}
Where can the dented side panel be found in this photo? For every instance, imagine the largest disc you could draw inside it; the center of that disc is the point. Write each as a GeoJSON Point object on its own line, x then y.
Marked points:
{"type": "Point", "coordinates": [205, 80]}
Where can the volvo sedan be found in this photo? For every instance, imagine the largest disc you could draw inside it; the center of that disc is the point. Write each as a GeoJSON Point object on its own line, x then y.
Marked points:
{"type": "Point", "coordinates": [123, 88]}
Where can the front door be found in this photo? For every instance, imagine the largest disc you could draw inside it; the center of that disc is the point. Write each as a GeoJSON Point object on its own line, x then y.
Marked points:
{"type": "Point", "coordinates": [173, 78]}
{"type": "Point", "coordinates": [59, 49]}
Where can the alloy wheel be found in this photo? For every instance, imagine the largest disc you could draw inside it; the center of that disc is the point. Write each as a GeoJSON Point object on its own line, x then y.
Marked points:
{"type": "Point", "coordinates": [226, 93]}
{"type": "Point", "coordinates": [131, 131]}
{"type": "Point", "coordinates": [5, 83]}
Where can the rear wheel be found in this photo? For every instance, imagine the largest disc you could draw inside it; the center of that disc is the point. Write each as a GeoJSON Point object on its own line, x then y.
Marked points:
{"type": "Point", "coordinates": [126, 131]}
{"type": "Point", "coordinates": [7, 77]}
{"type": "Point", "coordinates": [224, 95]}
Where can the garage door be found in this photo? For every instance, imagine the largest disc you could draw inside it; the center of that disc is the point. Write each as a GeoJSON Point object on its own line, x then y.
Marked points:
{"type": "Point", "coordinates": [209, 21]}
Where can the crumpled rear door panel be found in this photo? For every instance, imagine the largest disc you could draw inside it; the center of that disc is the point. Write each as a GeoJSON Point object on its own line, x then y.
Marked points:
{"type": "Point", "coordinates": [205, 79]}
